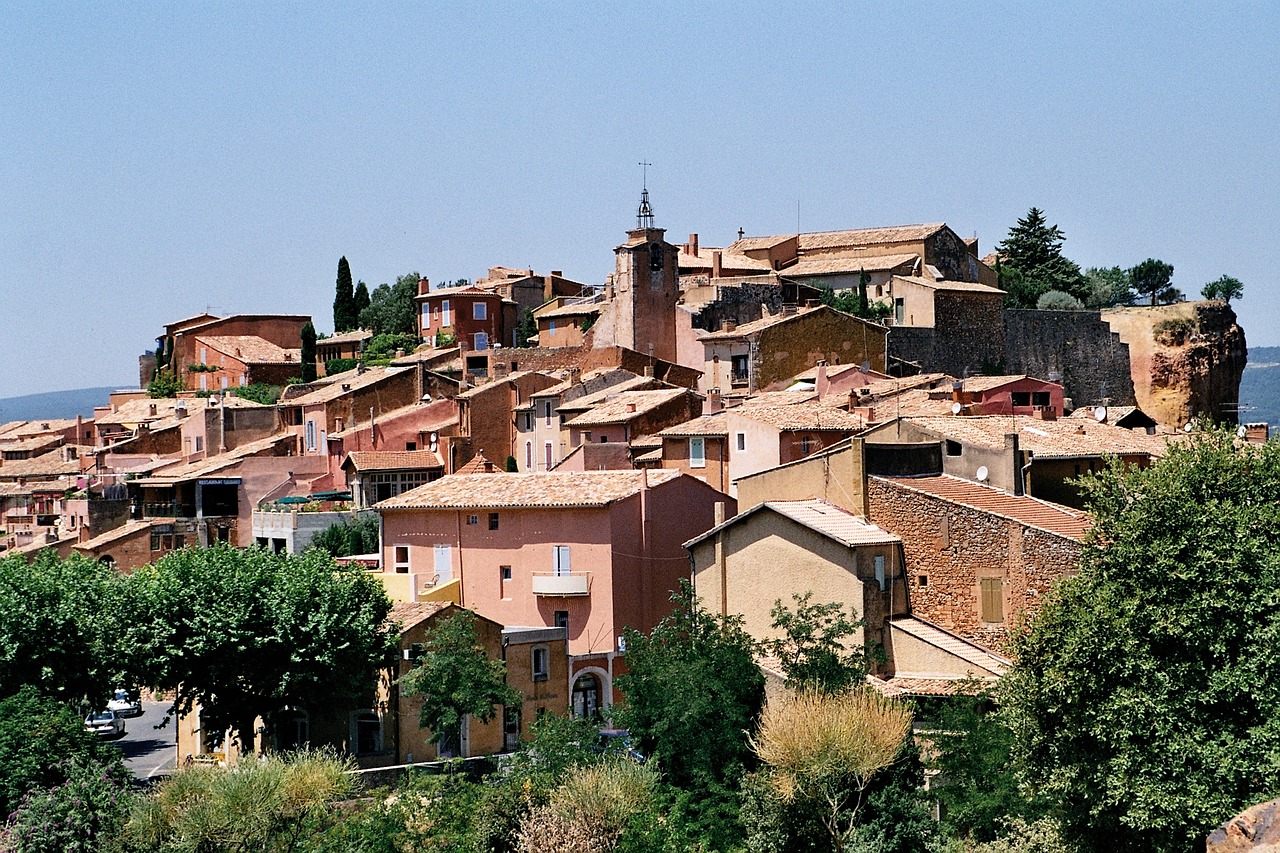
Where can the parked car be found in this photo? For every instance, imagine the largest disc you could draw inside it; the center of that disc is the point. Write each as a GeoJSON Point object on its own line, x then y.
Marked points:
{"type": "Point", "coordinates": [105, 724]}
{"type": "Point", "coordinates": [617, 743]}
{"type": "Point", "coordinates": [125, 704]}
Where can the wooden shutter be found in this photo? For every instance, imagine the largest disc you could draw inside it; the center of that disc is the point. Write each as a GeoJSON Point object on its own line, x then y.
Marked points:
{"type": "Point", "coordinates": [992, 599]}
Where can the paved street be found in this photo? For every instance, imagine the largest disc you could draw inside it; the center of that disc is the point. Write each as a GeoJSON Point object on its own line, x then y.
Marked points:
{"type": "Point", "coordinates": [148, 751]}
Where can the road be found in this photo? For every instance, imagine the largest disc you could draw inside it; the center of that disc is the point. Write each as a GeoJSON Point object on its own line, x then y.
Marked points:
{"type": "Point", "coordinates": [149, 752]}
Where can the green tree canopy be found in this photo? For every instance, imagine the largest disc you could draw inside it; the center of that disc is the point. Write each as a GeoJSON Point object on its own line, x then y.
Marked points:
{"type": "Point", "coordinates": [1032, 263]}
{"type": "Point", "coordinates": [53, 627]}
{"type": "Point", "coordinates": [1144, 699]}
{"type": "Point", "coordinates": [1108, 286]}
{"type": "Point", "coordinates": [245, 632]}
{"type": "Point", "coordinates": [1225, 288]}
{"type": "Point", "coordinates": [526, 328]}
{"type": "Point", "coordinates": [815, 648]}
{"type": "Point", "coordinates": [392, 308]}
{"type": "Point", "coordinates": [361, 299]}
{"type": "Point", "coordinates": [454, 676]}
{"type": "Point", "coordinates": [344, 304]}
{"type": "Point", "coordinates": [1153, 278]}
{"type": "Point", "coordinates": [693, 691]}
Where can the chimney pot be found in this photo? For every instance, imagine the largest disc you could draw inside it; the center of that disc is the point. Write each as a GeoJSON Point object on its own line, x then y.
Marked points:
{"type": "Point", "coordinates": [631, 407]}
{"type": "Point", "coordinates": [693, 245]}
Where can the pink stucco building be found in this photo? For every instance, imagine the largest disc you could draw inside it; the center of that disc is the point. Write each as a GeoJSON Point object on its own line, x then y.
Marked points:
{"type": "Point", "coordinates": [596, 552]}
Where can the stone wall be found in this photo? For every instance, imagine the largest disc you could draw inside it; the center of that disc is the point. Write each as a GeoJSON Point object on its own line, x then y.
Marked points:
{"type": "Point", "coordinates": [742, 304]}
{"type": "Point", "coordinates": [1079, 345]}
{"type": "Point", "coordinates": [949, 548]}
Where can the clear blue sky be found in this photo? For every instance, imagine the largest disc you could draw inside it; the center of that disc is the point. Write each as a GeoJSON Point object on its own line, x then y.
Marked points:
{"type": "Point", "coordinates": [160, 159]}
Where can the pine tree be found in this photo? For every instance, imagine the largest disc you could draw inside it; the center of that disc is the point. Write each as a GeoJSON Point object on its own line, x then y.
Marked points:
{"type": "Point", "coordinates": [308, 352]}
{"type": "Point", "coordinates": [1153, 278]}
{"type": "Point", "coordinates": [1032, 262]}
{"type": "Point", "coordinates": [344, 313]}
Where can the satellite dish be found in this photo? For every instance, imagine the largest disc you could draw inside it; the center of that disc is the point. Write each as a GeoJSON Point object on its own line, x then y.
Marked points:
{"type": "Point", "coordinates": [983, 473]}
{"type": "Point", "coordinates": [1242, 431]}
{"type": "Point", "coordinates": [1188, 427]}
{"type": "Point", "coordinates": [1100, 414]}
{"type": "Point", "coordinates": [955, 408]}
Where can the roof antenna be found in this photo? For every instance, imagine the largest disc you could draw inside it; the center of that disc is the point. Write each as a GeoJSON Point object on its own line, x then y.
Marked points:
{"type": "Point", "coordinates": [644, 216]}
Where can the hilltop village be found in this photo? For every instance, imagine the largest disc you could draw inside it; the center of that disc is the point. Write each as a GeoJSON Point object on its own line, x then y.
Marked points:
{"type": "Point", "coordinates": [556, 456]}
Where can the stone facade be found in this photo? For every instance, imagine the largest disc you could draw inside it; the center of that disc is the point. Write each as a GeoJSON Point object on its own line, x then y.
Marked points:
{"type": "Point", "coordinates": [949, 549]}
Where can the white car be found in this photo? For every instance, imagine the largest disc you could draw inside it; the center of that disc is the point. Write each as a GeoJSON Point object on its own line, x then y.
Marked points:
{"type": "Point", "coordinates": [105, 724]}
{"type": "Point", "coordinates": [125, 704]}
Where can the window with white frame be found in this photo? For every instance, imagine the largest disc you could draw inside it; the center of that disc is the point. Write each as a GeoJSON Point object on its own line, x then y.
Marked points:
{"type": "Point", "coordinates": [443, 563]}
{"type": "Point", "coordinates": [479, 311]}
{"type": "Point", "coordinates": [480, 341]}
{"type": "Point", "coordinates": [400, 559]}
{"type": "Point", "coordinates": [446, 314]}
{"type": "Point", "coordinates": [880, 575]}
{"type": "Point", "coordinates": [697, 452]}
{"type": "Point", "coordinates": [742, 441]}
{"type": "Point", "coordinates": [311, 435]}
{"type": "Point", "coordinates": [561, 559]}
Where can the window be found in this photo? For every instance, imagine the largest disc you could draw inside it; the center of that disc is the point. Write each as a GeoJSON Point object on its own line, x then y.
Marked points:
{"type": "Point", "coordinates": [311, 435]}
{"type": "Point", "coordinates": [738, 374]}
{"type": "Point", "coordinates": [244, 380]}
{"type": "Point", "coordinates": [992, 603]}
{"type": "Point", "coordinates": [604, 439]}
{"type": "Point", "coordinates": [224, 383]}
{"type": "Point", "coordinates": [366, 733]}
{"type": "Point", "coordinates": [562, 618]}
{"type": "Point", "coordinates": [493, 521]}
{"type": "Point", "coordinates": [541, 664]}
{"type": "Point", "coordinates": [547, 453]}
{"type": "Point", "coordinates": [204, 382]}
{"type": "Point", "coordinates": [528, 456]}
{"type": "Point", "coordinates": [742, 441]}
{"type": "Point", "coordinates": [446, 315]}
{"type": "Point", "coordinates": [505, 572]}
{"type": "Point", "coordinates": [899, 310]}
{"type": "Point", "coordinates": [199, 443]}
{"type": "Point", "coordinates": [402, 558]}
{"type": "Point", "coordinates": [561, 559]}
{"type": "Point", "coordinates": [443, 563]}
{"type": "Point", "coordinates": [551, 327]}
{"type": "Point", "coordinates": [204, 355]}
{"type": "Point", "coordinates": [1040, 398]}
{"type": "Point", "coordinates": [479, 311]}
{"type": "Point", "coordinates": [697, 452]}
{"type": "Point", "coordinates": [546, 413]}
{"type": "Point", "coordinates": [473, 519]}
{"type": "Point", "coordinates": [953, 448]}
{"type": "Point", "coordinates": [480, 341]}
{"type": "Point", "coordinates": [411, 445]}
{"type": "Point", "coordinates": [879, 563]}
{"type": "Point", "coordinates": [922, 580]}
{"type": "Point", "coordinates": [806, 445]}
{"type": "Point", "coordinates": [1020, 398]}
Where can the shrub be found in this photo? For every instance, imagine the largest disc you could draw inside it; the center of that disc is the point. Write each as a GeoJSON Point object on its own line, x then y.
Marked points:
{"type": "Point", "coordinates": [1174, 331]}
{"type": "Point", "coordinates": [1057, 300]}
{"type": "Point", "coordinates": [335, 366]}
{"type": "Point", "coordinates": [165, 384]}
{"type": "Point", "coordinates": [78, 816]}
{"type": "Point", "coordinates": [258, 392]}
{"type": "Point", "coordinates": [348, 538]}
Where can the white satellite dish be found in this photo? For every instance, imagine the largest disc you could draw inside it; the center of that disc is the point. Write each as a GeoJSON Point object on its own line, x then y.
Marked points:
{"type": "Point", "coordinates": [1100, 414]}
{"type": "Point", "coordinates": [1188, 427]}
{"type": "Point", "coordinates": [983, 473]}
{"type": "Point", "coordinates": [1242, 431]}
{"type": "Point", "coordinates": [955, 408]}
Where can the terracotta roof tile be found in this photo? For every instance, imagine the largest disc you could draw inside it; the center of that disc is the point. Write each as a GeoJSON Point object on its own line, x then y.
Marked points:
{"type": "Point", "coordinates": [251, 349]}
{"type": "Point", "coordinates": [585, 489]}
{"type": "Point", "coordinates": [627, 406]}
{"type": "Point", "coordinates": [126, 530]}
{"type": "Point", "coordinates": [50, 464]}
{"type": "Point", "coordinates": [392, 460]}
{"type": "Point", "coordinates": [946, 284]}
{"type": "Point", "coordinates": [801, 416]}
{"type": "Point", "coordinates": [351, 337]}
{"type": "Point", "coordinates": [1068, 438]}
{"type": "Point", "coordinates": [478, 464]}
{"type": "Point", "coordinates": [705, 259]}
{"type": "Point", "coordinates": [354, 380]}
{"type": "Point", "coordinates": [713, 424]}
{"type": "Point", "coordinates": [846, 265]}
{"type": "Point", "coordinates": [1033, 512]}
{"type": "Point", "coordinates": [747, 329]}
{"type": "Point", "coordinates": [409, 614]}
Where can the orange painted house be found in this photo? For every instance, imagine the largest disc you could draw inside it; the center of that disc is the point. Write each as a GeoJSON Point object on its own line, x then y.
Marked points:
{"type": "Point", "coordinates": [596, 552]}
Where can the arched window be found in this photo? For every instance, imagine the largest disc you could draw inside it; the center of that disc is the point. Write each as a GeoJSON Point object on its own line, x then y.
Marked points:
{"type": "Point", "coordinates": [586, 695]}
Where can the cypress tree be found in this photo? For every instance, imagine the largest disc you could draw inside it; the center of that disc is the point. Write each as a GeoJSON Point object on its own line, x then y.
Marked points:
{"type": "Point", "coordinates": [361, 302]}
{"type": "Point", "coordinates": [344, 314]}
{"type": "Point", "coordinates": [308, 352]}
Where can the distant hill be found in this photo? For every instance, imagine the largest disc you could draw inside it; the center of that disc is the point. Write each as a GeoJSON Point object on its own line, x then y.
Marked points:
{"type": "Point", "coordinates": [55, 404]}
{"type": "Point", "coordinates": [1260, 387]}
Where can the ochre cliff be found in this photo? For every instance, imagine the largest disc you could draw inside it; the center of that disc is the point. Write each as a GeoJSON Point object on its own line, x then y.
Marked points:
{"type": "Point", "coordinates": [1186, 359]}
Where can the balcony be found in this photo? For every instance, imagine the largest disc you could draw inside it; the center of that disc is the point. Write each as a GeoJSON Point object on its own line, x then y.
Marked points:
{"type": "Point", "coordinates": [565, 584]}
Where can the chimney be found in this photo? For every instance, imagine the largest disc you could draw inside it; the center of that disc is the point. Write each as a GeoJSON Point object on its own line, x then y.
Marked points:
{"type": "Point", "coordinates": [788, 309]}
{"type": "Point", "coordinates": [715, 265]}
{"type": "Point", "coordinates": [1080, 430]}
{"type": "Point", "coordinates": [424, 286]}
{"type": "Point", "coordinates": [575, 376]}
{"type": "Point", "coordinates": [821, 384]}
{"type": "Point", "coordinates": [714, 403]}
{"type": "Point", "coordinates": [1256, 433]}
{"type": "Point", "coordinates": [693, 245]}
{"type": "Point", "coordinates": [631, 407]}
{"type": "Point", "coordinates": [728, 325]}
{"type": "Point", "coordinates": [151, 409]}
{"type": "Point", "coordinates": [553, 273]}
{"type": "Point", "coordinates": [1044, 413]}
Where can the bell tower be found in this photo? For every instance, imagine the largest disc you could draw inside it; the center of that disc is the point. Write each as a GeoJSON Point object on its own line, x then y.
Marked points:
{"type": "Point", "coordinates": [647, 287]}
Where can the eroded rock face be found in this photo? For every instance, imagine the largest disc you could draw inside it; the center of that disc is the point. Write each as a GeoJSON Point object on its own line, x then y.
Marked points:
{"type": "Point", "coordinates": [1186, 359]}
{"type": "Point", "coordinates": [1256, 829]}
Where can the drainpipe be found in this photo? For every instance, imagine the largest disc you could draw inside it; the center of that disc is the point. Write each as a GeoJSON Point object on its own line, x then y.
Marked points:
{"type": "Point", "coordinates": [721, 565]}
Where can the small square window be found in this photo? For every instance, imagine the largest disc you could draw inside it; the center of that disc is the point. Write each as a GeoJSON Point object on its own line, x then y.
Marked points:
{"type": "Point", "coordinates": [402, 558]}
{"type": "Point", "coordinates": [493, 521]}
{"type": "Point", "coordinates": [562, 618]}
{"type": "Point", "coordinates": [953, 448]}
{"type": "Point", "coordinates": [506, 572]}
{"type": "Point", "coordinates": [742, 441]}
{"type": "Point", "coordinates": [922, 580]}
{"type": "Point", "coordinates": [541, 663]}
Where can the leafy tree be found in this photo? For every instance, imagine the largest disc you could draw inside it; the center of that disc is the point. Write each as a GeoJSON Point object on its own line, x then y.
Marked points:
{"type": "Point", "coordinates": [258, 392]}
{"type": "Point", "coordinates": [1225, 288]}
{"type": "Point", "coordinates": [38, 737]}
{"type": "Point", "coordinates": [1032, 263]}
{"type": "Point", "coordinates": [165, 384]}
{"type": "Point", "coordinates": [1056, 300]}
{"type": "Point", "coordinates": [1144, 699]}
{"type": "Point", "coordinates": [53, 630]}
{"type": "Point", "coordinates": [512, 465]}
{"type": "Point", "coordinates": [1108, 286]}
{"type": "Point", "coordinates": [392, 308]}
{"type": "Point", "coordinates": [851, 302]}
{"type": "Point", "coordinates": [308, 357]}
{"type": "Point", "coordinates": [272, 805]}
{"type": "Point", "coordinates": [454, 677]}
{"type": "Point", "coordinates": [334, 366]}
{"type": "Point", "coordinates": [814, 650]}
{"type": "Point", "coordinates": [344, 303]}
{"type": "Point", "coordinates": [385, 345]}
{"type": "Point", "coordinates": [1152, 278]}
{"type": "Point", "coordinates": [693, 691]}
{"type": "Point", "coordinates": [245, 632]}
{"type": "Point", "coordinates": [360, 300]}
{"type": "Point", "coordinates": [526, 328]}
{"type": "Point", "coordinates": [351, 537]}
{"type": "Point", "coordinates": [83, 814]}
